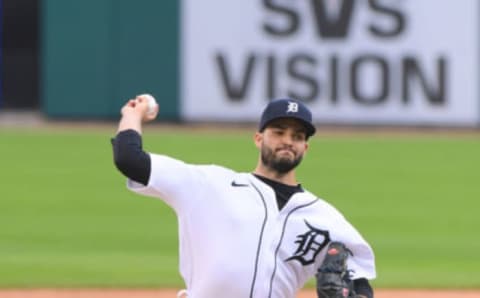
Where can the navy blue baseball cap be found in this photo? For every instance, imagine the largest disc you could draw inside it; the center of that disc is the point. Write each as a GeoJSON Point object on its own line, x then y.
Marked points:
{"type": "Point", "coordinates": [287, 108]}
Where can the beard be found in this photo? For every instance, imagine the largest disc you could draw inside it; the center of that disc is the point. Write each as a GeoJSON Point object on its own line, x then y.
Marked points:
{"type": "Point", "coordinates": [281, 165]}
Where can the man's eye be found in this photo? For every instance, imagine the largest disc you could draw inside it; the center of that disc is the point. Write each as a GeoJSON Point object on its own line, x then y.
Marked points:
{"type": "Point", "coordinates": [299, 137]}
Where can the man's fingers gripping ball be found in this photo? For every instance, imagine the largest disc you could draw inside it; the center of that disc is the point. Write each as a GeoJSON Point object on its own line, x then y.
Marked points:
{"type": "Point", "coordinates": [151, 103]}
{"type": "Point", "coordinates": [151, 106]}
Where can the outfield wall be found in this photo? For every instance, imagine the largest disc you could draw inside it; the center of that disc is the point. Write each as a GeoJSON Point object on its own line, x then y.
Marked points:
{"type": "Point", "coordinates": [353, 62]}
{"type": "Point", "coordinates": [95, 54]}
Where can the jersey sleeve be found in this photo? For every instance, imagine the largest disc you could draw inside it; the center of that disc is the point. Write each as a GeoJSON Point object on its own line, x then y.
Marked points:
{"type": "Point", "coordinates": [362, 262]}
{"type": "Point", "coordinates": [171, 180]}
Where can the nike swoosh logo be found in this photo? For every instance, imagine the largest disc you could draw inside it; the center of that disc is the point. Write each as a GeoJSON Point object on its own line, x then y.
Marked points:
{"type": "Point", "coordinates": [235, 184]}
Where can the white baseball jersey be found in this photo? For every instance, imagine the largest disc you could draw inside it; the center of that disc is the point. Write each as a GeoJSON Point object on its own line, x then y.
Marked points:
{"type": "Point", "coordinates": [234, 241]}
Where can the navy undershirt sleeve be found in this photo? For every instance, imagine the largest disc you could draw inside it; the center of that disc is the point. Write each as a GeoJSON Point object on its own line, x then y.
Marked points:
{"type": "Point", "coordinates": [129, 157]}
{"type": "Point", "coordinates": [362, 287]}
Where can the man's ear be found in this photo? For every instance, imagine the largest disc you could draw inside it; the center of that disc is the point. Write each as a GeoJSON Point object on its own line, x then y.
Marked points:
{"type": "Point", "coordinates": [258, 139]}
{"type": "Point", "coordinates": [306, 149]}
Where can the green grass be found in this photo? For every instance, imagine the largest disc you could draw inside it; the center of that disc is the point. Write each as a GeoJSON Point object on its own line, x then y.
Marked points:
{"type": "Point", "coordinates": [67, 220]}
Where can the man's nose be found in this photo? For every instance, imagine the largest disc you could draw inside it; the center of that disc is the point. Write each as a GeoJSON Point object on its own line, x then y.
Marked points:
{"type": "Point", "coordinates": [287, 139]}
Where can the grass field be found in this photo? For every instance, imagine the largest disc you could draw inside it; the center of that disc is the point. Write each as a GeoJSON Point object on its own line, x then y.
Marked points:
{"type": "Point", "coordinates": [67, 220]}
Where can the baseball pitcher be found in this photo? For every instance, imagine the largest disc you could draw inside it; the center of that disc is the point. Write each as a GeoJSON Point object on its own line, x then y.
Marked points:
{"type": "Point", "coordinates": [250, 235]}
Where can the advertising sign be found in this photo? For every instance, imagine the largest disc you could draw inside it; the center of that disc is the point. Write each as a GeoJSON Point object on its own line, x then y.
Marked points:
{"type": "Point", "coordinates": [352, 61]}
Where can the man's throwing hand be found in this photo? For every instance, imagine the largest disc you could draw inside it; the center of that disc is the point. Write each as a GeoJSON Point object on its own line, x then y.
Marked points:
{"type": "Point", "coordinates": [143, 106]}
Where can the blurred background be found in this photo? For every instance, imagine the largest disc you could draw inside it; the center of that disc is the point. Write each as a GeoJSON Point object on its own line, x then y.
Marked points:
{"type": "Point", "coordinates": [20, 53]}
{"type": "Point", "coordinates": [405, 72]}
{"type": "Point", "coordinates": [365, 62]}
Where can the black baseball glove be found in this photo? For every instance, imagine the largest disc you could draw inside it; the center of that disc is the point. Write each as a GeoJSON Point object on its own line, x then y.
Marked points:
{"type": "Point", "coordinates": [333, 277]}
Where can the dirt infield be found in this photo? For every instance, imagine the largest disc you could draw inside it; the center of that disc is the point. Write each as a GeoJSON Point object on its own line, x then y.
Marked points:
{"type": "Point", "coordinates": [112, 293]}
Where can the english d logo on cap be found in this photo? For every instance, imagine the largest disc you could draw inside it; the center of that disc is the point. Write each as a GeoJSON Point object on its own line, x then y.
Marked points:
{"type": "Point", "coordinates": [287, 108]}
{"type": "Point", "coordinates": [292, 107]}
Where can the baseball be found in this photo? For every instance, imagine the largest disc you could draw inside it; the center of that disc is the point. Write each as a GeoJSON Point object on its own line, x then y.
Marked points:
{"type": "Point", "coordinates": [152, 103]}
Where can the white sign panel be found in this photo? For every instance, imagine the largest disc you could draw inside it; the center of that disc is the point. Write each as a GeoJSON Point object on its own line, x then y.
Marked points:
{"type": "Point", "coordinates": [351, 61]}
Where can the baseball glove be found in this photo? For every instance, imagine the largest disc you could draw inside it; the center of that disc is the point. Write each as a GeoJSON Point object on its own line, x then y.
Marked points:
{"type": "Point", "coordinates": [333, 277]}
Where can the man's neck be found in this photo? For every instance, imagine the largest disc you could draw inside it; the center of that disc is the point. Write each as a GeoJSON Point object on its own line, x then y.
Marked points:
{"type": "Point", "coordinates": [287, 178]}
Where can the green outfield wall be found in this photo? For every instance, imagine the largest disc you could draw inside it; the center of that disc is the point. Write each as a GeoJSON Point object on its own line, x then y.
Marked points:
{"type": "Point", "coordinates": [96, 53]}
